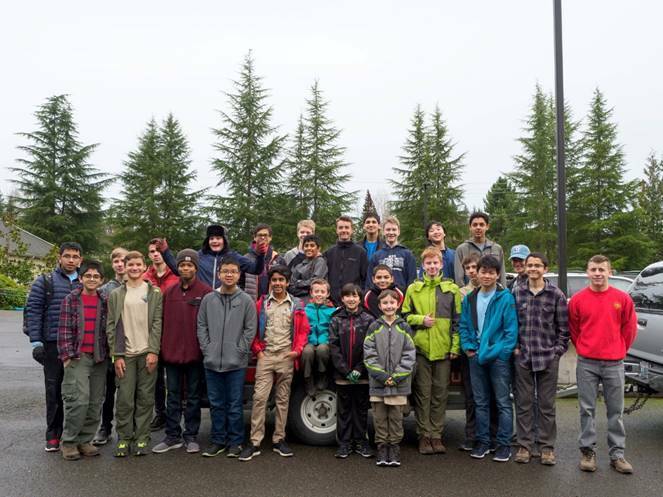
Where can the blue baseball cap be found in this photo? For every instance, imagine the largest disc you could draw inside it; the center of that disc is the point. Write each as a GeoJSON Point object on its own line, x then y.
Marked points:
{"type": "Point", "coordinates": [519, 252]}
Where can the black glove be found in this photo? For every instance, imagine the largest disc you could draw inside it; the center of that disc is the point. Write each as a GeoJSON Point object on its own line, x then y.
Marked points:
{"type": "Point", "coordinates": [39, 354]}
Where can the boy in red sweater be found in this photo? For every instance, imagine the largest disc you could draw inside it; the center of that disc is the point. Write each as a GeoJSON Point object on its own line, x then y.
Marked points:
{"type": "Point", "coordinates": [603, 324]}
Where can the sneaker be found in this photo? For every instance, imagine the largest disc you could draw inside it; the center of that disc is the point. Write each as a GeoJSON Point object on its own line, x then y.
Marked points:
{"type": "Point", "coordinates": [342, 452]}
{"type": "Point", "coordinates": [548, 457]}
{"type": "Point", "coordinates": [383, 455]}
{"type": "Point", "coordinates": [249, 453]}
{"type": "Point", "coordinates": [364, 449]}
{"type": "Point", "coordinates": [502, 454]}
{"type": "Point", "coordinates": [192, 447]}
{"type": "Point", "coordinates": [438, 446]}
{"type": "Point", "coordinates": [621, 465]}
{"type": "Point", "coordinates": [480, 450]}
{"type": "Point", "coordinates": [523, 455]}
{"type": "Point", "coordinates": [101, 437]}
{"type": "Point", "coordinates": [214, 450]}
{"type": "Point", "coordinates": [166, 445]}
{"type": "Point", "coordinates": [234, 451]}
{"type": "Point", "coordinates": [425, 447]}
{"type": "Point", "coordinates": [70, 452]}
{"type": "Point", "coordinates": [141, 448]}
{"type": "Point", "coordinates": [282, 449]}
{"type": "Point", "coordinates": [394, 455]}
{"type": "Point", "coordinates": [588, 460]}
{"type": "Point", "coordinates": [493, 447]}
{"type": "Point", "coordinates": [52, 445]}
{"type": "Point", "coordinates": [467, 445]}
{"type": "Point", "coordinates": [88, 450]}
{"type": "Point", "coordinates": [122, 449]}
{"type": "Point", "coordinates": [158, 423]}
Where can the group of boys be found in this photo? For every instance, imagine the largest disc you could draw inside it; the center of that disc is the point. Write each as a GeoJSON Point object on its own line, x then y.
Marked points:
{"type": "Point", "coordinates": [356, 313]}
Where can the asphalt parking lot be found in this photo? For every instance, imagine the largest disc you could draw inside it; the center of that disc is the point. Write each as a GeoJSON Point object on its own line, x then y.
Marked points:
{"type": "Point", "coordinates": [27, 471]}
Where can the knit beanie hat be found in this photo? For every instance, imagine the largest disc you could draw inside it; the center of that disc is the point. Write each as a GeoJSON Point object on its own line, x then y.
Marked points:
{"type": "Point", "coordinates": [187, 255]}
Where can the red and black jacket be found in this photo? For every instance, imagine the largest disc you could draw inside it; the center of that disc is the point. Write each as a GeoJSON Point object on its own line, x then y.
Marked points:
{"type": "Point", "coordinates": [346, 341]}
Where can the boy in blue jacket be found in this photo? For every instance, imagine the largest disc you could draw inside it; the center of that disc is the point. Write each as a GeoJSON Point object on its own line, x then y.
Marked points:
{"type": "Point", "coordinates": [489, 333]}
{"type": "Point", "coordinates": [319, 312]}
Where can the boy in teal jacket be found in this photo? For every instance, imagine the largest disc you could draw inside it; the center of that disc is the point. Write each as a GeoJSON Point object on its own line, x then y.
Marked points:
{"type": "Point", "coordinates": [489, 333]}
{"type": "Point", "coordinates": [319, 313]}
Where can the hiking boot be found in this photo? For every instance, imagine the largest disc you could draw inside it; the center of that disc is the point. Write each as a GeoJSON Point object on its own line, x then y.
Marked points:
{"type": "Point", "coordinates": [548, 457]}
{"type": "Point", "coordinates": [467, 445]}
{"type": "Point", "coordinates": [166, 445]}
{"type": "Point", "coordinates": [364, 449]}
{"type": "Point", "coordinates": [383, 455]}
{"type": "Point", "coordinates": [523, 456]}
{"type": "Point", "coordinates": [249, 453]}
{"type": "Point", "coordinates": [158, 422]}
{"type": "Point", "coordinates": [394, 455]}
{"type": "Point", "coordinates": [342, 452]}
{"type": "Point", "coordinates": [536, 452]}
{"type": "Point", "coordinates": [122, 449]}
{"type": "Point", "coordinates": [192, 446]}
{"type": "Point", "coordinates": [101, 437]}
{"type": "Point", "coordinates": [621, 465]}
{"type": "Point", "coordinates": [70, 452]}
{"type": "Point", "coordinates": [52, 445]}
{"type": "Point", "coordinates": [214, 450]}
{"type": "Point", "coordinates": [502, 454]}
{"type": "Point", "coordinates": [282, 449]}
{"type": "Point", "coordinates": [438, 446]}
{"type": "Point", "coordinates": [480, 450]}
{"type": "Point", "coordinates": [234, 451]}
{"type": "Point", "coordinates": [588, 460]}
{"type": "Point", "coordinates": [88, 450]}
{"type": "Point", "coordinates": [425, 447]}
{"type": "Point", "coordinates": [141, 448]}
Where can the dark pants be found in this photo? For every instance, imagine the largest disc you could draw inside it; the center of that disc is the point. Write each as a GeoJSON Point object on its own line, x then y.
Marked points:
{"type": "Point", "coordinates": [109, 399]}
{"type": "Point", "coordinates": [190, 377]}
{"type": "Point", "coordinates": [53, 376]}
{"type": "Point", "coordinates": [493, 378]}
{"type": "Point", "coordinates": [160, 391]}
{"type": "Point", "coordinates": [470, 414]}
{"type": "Point", "coordinates": [225, 392]}
{"type": "Point", "coordinates": [352, 413]}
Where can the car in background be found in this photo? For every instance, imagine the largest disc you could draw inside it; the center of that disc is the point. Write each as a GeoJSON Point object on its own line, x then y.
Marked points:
{"type": "Point", "coordinates": [644, 360]}
{"type": "Point", "coordinates": [577, 281]}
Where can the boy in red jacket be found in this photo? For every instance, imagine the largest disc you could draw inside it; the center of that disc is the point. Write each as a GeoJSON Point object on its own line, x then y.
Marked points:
{"type": "Point", "coordinates": [283, 330]}
{"type": "Point", "coordinates": [603, 325]}
{"type": "Point", "coordinates": [181, 355]}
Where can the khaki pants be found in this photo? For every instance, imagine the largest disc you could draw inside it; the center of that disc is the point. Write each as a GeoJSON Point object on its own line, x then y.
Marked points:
{"type": "Point", "coordinates": [431, 390]}
{"type": "Point", "coordinates": [272, 368]}
{"type": "Point", "coordinates": [388, 423]}
{"type": "Point", "coordinates": [83, 390]}
{"type": "Point", "coordinates": [135, 400]}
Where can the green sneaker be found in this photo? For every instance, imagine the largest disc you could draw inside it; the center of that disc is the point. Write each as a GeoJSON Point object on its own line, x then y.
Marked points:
{"type": "Point", "coordinates": [122, 449]}
{"type": "Point", "coordinates": [141, 448]}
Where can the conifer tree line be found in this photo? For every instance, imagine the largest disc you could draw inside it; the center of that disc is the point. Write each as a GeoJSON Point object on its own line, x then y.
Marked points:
{"type": "Point", "coordinates": [266, 175]}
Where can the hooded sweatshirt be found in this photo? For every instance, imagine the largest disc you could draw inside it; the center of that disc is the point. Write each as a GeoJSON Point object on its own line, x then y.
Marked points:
{"type": "Point", "coordinates": [371, 299]}
{"type": "Point", "coordinates": [401, 262]}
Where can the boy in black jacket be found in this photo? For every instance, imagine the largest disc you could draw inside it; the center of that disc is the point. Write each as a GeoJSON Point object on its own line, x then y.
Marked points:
{"type": "Point", "coordinates": [347, 331]}
{"type": "Point", "coordinates": [383, 279]}
{"type": "Point", "coordinates": [346, 261]}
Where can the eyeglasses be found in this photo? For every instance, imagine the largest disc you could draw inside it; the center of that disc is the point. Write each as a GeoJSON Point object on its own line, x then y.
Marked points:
{"type": "Point", "coordinates": [263, 235]}
{"type": "Point", "coordinates": [91, 276]}
{"type": "Point", "coordinates": [228, 271]}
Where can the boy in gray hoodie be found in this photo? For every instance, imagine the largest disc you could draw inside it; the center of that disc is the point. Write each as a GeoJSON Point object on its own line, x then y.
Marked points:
{"type": "Point", "coordinates": [227, 322]}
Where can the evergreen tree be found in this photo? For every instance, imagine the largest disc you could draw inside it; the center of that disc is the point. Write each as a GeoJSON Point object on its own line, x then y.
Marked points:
{"type": "Point", "coordinates": [427, 187]}
{"type": "Point", "coordinates": [650, 203]}
{"type": "Point", "coordinates": [60, 191]}
{"type": "Point", "coordinates": [369, 209]}
{"type": "Point", "coordinates": [156, 200]}
{"type": "Point", "coordinates": [249, 158]}
{"type": "Point", "coordinates": [298, 176]}
{"type": "Point", "coordinates": [502, 205]}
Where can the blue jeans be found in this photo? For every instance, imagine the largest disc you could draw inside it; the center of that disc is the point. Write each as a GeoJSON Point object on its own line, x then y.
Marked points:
{"type": "Point", "coordinates": [189, 376]}
{"type": "Point", "coordinates": [489, 379]}
{"type": "Point", "coordinates": [226, 394]}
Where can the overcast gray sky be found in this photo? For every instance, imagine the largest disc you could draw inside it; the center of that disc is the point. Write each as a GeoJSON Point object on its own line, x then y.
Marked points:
{"type": "Point", "coordinates": [125, 62]}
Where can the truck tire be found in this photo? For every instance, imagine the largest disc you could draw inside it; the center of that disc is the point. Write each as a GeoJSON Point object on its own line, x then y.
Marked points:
{"type": "Point", "coordinates": [312, 420]}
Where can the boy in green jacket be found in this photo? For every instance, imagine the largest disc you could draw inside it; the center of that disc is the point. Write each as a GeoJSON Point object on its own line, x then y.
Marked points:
{"type": "Point", "coordinates": [134, 339]}
{"type": "Point", "coordinates": [433, 306]}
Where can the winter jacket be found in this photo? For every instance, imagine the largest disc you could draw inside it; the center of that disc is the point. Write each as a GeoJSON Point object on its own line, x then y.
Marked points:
{"type": "Point", "coordinates": [347, 332]}
{"type": "Point", "coordinates": [400, 260]}
{"type": "Point", "coordinates": [500, 327]}
{"type": "Point", "coordinates": [448, 264]}
{"type": "Point", "coordinates": [257, 285]}
{"type": "Point", "coordinates": [208, 262]}
{"type": "Point", "coordinates": [468, 247]}
{"type": "Point", "coordinates": [109, 286]}
{"type": "Point", "coordinates": [389, 352]}
{"type": "Point", "coordinates": [164, 282]}
{"type": "Point", "coordinates": [179, 338]}
{"type": "Point", "coordinates": [517, 282]}
{"type": "Point", "coordinates": [371, 299]}
{"type": "Point", "coordinates": [42, 317]}
{"type": "Point", "coordinates": [346, 263]}
{"type": "Point", "coordinates": [319, 317]}
{"type": "Point", "coordinates": [115, 327]}
{"type": "Point", "coordinates": [71, 328]}
{"type": "Point", "coordinates": [304, 273]}
{"type": "Point", "coordinates": [291, 254]}
{"type": "Point", "coordinates": [299, 327]}
{"type": "Point", "coordinates": [440, 298]}
{"type": "Point", "coordinates": [226, 325]}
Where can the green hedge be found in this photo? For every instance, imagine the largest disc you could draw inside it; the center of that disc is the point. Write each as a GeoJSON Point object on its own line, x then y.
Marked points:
{"type": "Point", "coordinates": [12, 294]}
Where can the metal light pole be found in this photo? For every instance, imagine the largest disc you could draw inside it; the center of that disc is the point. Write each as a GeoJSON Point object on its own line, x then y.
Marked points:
{"type": "Point", "coordinates": [561, 166]}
